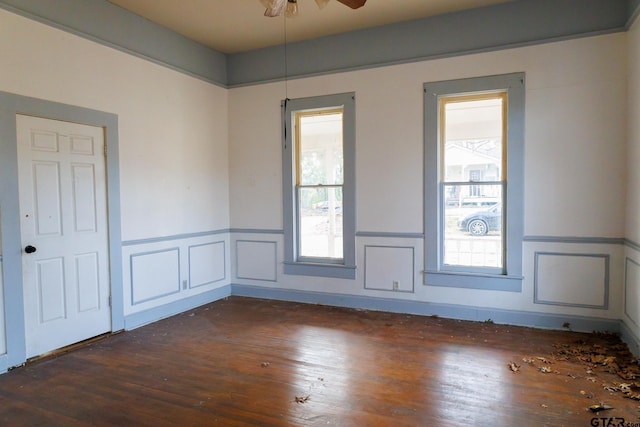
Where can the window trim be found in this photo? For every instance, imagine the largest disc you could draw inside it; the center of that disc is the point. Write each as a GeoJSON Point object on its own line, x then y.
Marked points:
{"type": "Point", "coordinates": [293, 264]}
{"type": "Point", "coordinates": [435, 274]}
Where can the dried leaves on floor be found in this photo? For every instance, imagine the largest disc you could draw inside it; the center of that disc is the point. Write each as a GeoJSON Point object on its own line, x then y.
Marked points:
{"type": "Point", "coordinates": [598, 353]}
{"type": "Point", "coordinates": [514, 368]}
{"type": "Point", "coordinates": [611, 356]}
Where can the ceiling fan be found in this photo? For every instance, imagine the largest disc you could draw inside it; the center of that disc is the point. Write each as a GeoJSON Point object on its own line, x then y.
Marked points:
{"type": "Point", "coordinates": [276, 7]}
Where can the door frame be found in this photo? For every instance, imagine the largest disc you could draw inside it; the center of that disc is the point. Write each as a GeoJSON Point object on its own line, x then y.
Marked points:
{"type": "Point", "coordinates": [10, 105]}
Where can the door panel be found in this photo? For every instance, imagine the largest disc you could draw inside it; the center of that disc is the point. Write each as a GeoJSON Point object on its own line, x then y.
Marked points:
{"type": "Point", "coordinates": [84, 197]}
{"type": "Point", "coordinates": [51, 290]}
{"type": "Point", "coordinates": [46, 192]}
{"type": "Point", "coordinates": [63, 208]}
{"type": "Point", "coordinates": [88, 282]}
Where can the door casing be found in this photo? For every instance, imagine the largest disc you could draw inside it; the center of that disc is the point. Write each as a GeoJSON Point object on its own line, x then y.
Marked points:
{"type": "Point", "coordinates": [10, 105]}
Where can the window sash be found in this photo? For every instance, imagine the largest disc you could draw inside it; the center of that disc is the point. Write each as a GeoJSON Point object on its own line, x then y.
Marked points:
{"type": "Point", "coordinates": [302, 258]}
{"type": "Point", "coordinates": [501, 270]}
{"type": "Point", "coordinates": [443, 101]}
{"type": "Point", "coordinates": [298, 116]}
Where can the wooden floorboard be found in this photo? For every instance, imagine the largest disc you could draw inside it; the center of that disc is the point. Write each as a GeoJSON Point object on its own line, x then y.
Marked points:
{"type": "Point", "coordinates": [243, 361]}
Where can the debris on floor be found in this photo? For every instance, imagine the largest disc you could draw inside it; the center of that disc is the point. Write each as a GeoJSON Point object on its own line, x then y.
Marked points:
{"type": "Point", "coordinates": [587, 395]}
{"type": "Point", "coordinates": [599, 353]}
{"type": "Point", "coordinates": [514, 368]}
{"type": "Point", "coordinates": [302, 399]}
{"type": "Point", "coordinates": [599, 407]}
{"type": "Point", "coordinates": [611, 356]}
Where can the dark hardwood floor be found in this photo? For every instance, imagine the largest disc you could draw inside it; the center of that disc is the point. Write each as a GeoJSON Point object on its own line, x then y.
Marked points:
{"type": "Point", "coordinates": [244, 361]}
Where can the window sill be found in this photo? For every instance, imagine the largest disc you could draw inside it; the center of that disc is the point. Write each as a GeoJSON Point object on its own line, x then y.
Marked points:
{"type": "Point", "coordinates": [489, 282]}
{"type": "Point", "coordinates": [320, 270]}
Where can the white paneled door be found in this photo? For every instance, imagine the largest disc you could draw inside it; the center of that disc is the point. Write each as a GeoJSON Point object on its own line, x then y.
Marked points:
{"type": "Point", "coordinates": [63, 208]}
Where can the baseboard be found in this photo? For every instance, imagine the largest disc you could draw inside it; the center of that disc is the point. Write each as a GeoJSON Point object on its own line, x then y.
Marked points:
{"type": "Point", "coordinates": [630, 338]}
{"type": "Point", "coordinates": [4, 363]}
{"type": "Point", "coordinates": [151, 315]}
{"type": "Point", "coordinates": [452, 311]}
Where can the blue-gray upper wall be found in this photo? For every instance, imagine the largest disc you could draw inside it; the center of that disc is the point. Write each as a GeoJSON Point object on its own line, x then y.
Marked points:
{"type": "Point", "coordinates": [512, 24]}
{"type": "Point", "coordinates": [634, 9]}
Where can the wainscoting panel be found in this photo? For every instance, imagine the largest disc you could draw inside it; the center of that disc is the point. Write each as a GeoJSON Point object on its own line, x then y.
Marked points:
{"type": "Point", "coordinates": [206, 264]}
{"type": "Point", "coordinates": [389, 268]}
{"type": "Point", "coordinates": [163, 273]}
{"type": "Point", "coordinates": [632, 290]}
{"type": "Point", "coordinates": [572, 279]}
{"type": "Point", "coordinates": [154, 274]}
{"type": "Point", "coordinates": [256, 260]}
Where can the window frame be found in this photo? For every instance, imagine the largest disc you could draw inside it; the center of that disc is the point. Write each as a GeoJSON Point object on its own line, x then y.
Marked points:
{"type": "Point", "coordinates": [294, 264]}
{"type": "Point", "coordinates": [509, 278]}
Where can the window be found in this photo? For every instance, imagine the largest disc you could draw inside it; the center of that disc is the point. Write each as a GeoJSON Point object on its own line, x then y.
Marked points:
{"type": "Point", "coordinates": [318, 186]}
{"type": "Point", "coordinates": [471, 136]}
{"type": "Point", "coordinates": [319, 183]}
{"type": "Point", "coordinates": [474, 145]}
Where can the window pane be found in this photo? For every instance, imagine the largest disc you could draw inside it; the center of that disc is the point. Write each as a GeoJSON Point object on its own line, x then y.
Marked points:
{"type": "Point", "coordinates": [320, 148]}
{"type": "Point", "coordinates": [473, 225]}
{"type": "Point", "coordinates": [473, 139]}
{"type": "Point", "coordinates": [320, 219]}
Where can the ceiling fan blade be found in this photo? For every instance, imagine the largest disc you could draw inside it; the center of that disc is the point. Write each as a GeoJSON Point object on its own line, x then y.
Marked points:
{"type": "Point", "coordinates": [277, 6]}
{"type": "Point", "coordinates": [353, 4]}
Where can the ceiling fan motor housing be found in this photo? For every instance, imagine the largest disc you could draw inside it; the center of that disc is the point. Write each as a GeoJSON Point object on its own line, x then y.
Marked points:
{"type": "Point", "coordinates": [276, 7]}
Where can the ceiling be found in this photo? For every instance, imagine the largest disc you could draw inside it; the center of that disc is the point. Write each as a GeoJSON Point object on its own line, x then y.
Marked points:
{"type": "Point", "coordinates": [232, 26]}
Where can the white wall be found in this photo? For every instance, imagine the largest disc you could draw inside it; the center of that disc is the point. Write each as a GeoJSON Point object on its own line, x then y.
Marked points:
{"type": "Point", "coordinates": [575, 137]}
{"type": "Point", "coordinates": [575, 146]}
{"type": "Point", "coordinates": [173, 128]}
{"type": "Point", "coordinates": [631, 315]}
{"type": "Point", "coordinates": [173, 143]}
{"type": "Point", "coordinates": [633, 146]}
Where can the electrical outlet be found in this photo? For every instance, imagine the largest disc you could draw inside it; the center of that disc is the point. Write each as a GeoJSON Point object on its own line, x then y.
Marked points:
{"type": "Point", "coordinates": [184, 284]}
{"type": "Point", "coordinates": [396, 285]}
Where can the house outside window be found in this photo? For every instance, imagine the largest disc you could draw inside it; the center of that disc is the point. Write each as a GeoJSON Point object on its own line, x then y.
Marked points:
{"type": "Point", "coordinates": [318, 185]}
{"type": "Point", "coordinates": [474, 145]}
